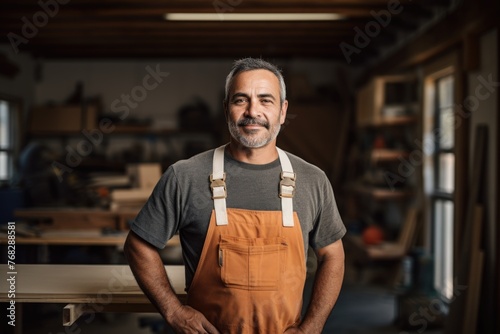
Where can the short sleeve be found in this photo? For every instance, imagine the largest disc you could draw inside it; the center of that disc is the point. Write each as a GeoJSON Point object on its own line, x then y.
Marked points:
{"type": "Point", "coordinates": [328, 226]}
{"type": "Point", "coordinates": [159, 218]}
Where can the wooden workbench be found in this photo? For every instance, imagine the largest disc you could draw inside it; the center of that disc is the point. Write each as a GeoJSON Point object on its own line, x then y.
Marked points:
{"type": "Point", "coordinates": [83, 238]}
{"type": "Point", "coordinates": [78, 218]}
{"type": "Point", "coordinates": [70, 238]}
{"type": "Point", "coordinates": [77, 238]}
{"type": "Point", "coordinates": [85, 288]}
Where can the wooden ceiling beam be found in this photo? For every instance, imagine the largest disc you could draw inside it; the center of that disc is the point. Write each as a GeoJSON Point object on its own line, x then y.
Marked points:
{"type": "Point", "coordinates": [205, 42]}
{"type": "Point", "coordinates": [155, 52]}
{"type": "Point", "coordinates": [132, 27]}
{"type": "Point", "coordinates": [243, 37]}
{"type": "Point", "coordinates": [134, 8]}
{"type": "Point", "coordinates": [160, 24]}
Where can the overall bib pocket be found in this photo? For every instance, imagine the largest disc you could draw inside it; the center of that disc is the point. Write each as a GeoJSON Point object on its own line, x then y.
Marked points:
{"type": "Point", "coordinates": [252, 263]}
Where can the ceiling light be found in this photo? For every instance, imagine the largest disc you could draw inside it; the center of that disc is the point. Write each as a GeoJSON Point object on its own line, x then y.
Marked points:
{"type": "Point", "coordinates": [252, 17]}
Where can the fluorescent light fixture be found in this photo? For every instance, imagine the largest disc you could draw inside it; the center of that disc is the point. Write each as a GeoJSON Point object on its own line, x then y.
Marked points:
{"type": "Point", "coordinates": [252, 17]}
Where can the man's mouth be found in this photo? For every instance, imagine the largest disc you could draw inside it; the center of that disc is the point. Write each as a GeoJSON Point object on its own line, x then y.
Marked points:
{"type": "Point", "coordinates": [253, 123]}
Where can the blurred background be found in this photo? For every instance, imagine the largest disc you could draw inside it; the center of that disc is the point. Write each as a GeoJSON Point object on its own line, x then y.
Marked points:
{"type": "Point", "coordinates": [396, 101]}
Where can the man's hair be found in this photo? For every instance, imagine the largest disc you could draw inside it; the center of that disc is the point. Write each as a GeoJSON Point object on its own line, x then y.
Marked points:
{"type": "Point", "coordinates": [249, 64]}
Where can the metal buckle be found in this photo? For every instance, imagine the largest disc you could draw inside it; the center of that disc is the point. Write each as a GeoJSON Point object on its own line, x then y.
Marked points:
{"type": "Point", "coordinates": [218, 183]}
{"type": "Point", "coordinates": [287, 180]}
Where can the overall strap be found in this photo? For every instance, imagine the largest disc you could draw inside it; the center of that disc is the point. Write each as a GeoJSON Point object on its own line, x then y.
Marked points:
{"type": "Point", "coordinates": [287, 188]}
{"type": "Point", "coordinates": [218, 186]}
{"type": "Point", "coordinates": [219, 191]}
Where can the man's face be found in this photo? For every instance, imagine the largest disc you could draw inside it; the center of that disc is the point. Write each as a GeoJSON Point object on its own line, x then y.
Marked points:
{"type": "Point", "coordinates": [254, 111]}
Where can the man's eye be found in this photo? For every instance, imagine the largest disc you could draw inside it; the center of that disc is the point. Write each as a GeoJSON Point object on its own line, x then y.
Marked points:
{"type": "Point", "coordinates": [239, 101]}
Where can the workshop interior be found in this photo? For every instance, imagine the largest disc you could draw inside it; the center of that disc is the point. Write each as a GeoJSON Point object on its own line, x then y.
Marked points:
{"type": "Point", "coordinates": [396, 101]}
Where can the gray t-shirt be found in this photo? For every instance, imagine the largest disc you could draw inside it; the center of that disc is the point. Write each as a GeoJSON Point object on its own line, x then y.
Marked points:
{"type": "Point", "coordinates": [181, 202]}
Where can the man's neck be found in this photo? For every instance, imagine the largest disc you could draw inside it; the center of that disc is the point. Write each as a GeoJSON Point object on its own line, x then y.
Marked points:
{"type": "Point", "coordinates": [256, 156]}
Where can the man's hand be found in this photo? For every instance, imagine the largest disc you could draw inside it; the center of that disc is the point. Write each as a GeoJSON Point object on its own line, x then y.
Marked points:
{"type": "Point", "coordinates": [327, 283]}
{"type": "Point", "coordinates": [147, 266]}
{"type": "Point", "coordinates": [187, 320]}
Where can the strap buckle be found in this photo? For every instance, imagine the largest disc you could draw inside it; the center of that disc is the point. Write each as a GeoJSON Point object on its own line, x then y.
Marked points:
{"type": "Point", "coordinates": [218, 187]}
{"type": "Point", "coordinates": [287, 184]}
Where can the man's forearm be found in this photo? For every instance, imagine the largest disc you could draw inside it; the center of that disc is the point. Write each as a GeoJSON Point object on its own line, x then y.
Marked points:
{"type": "Point", "coordinates": [326, 289]}
{"type": "Point", "coordinates": [149, 272]}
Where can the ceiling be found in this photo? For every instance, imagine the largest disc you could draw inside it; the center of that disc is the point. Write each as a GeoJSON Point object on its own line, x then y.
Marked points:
{"type": "Point", "coordinates": [132, 28]}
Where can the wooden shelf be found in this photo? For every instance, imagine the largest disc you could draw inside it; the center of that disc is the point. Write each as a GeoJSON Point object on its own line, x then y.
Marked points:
{"type": "Point", "coordinates": [397, 121]}
{"type": "Point", "coordinates": [392, 121]}
{"type": "Point", "coordinates": [378, 193]}
{"type": "Point", "coordinates": [387, 155]}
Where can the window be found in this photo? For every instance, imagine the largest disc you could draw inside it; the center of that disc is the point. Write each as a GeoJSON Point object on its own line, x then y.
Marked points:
{"type": "Point", "coordinates": [439, 175]}
{"type": "Point", "coordinates": [8, 138]}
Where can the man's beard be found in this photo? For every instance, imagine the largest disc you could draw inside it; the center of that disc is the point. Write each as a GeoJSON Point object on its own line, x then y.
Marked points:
{"type": "Point", "coordinates": [248, 140]}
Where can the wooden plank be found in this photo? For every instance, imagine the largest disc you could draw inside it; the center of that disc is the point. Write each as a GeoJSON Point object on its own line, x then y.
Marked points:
{"type": "Point", "coordinates": [477, 230]}
{"type": "Point", "coordinates": [457, 307]}
{"type": "Point", "coordinates": [473, 294]}
{"type": "Point", "coordinates": [78, 238]}
{"type": "Point", "coordinates": [497, 213]}
{"type": "Point", "coordinates": [78, 218]}
{"type": "Point", "coordinates": [475, 275]}
{"type": "Point", "coordinates": [96, 284]}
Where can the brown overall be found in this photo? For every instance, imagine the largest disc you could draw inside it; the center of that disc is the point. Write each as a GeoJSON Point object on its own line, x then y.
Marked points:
{"type": "Point", "coordinates": [251, 273]}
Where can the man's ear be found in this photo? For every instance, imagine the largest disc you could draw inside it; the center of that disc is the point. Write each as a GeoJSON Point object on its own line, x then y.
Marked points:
{"type": "Point", "coordinates": [284, 108]}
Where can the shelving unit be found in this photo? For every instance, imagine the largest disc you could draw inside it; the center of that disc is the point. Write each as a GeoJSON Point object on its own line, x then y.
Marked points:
{"type": "Point", "coordinates": [391, 121]}
{"type": "Point", "coordinates": [387, 100]}
{"type": "Point", "coordinates": [75, 124]}
{"type": "Point", "coordinates": [387, 109]}
{"type": "Point", "coordinates": [384, 194]}
{"type": "Point", "coordinates": [387, 155]}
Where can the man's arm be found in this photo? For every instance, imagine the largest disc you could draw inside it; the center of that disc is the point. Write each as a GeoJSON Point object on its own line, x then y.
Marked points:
{"type": "Point", "coordinates": [326, 289]}
{"type": "Point", "coordinates": [147, 267]}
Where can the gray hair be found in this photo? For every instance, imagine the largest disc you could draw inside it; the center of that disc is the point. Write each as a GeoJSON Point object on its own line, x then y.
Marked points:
{"type": "Point", "coordinates": [249, 64]}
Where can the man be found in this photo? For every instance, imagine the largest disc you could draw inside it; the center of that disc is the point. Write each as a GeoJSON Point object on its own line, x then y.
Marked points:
{"type": "Point", "coordinates": [246, 214]}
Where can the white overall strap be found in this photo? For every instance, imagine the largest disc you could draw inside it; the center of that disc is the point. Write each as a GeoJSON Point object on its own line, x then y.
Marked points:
{"type": "Point", "coordinates": [287, 188]}
{"type": "Point", "coordinates": [218, 186]}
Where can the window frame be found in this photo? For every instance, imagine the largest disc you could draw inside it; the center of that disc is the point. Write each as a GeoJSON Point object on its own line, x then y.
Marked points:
{"type": "Point", "coordinates": [439, 196]}
{"type": "Point", "coordinates": [16, 134]}
{"type": "Point", "coordinates": [448, 64]}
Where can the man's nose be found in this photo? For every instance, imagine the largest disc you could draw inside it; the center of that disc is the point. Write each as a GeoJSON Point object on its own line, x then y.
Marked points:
{"type": "Point", "coordinates": [252, 110]}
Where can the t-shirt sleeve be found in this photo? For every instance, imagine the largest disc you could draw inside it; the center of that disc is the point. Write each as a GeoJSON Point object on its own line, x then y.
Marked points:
{"type": "Point", "coordinates": [328, 225]}
{"type": "Point", "coordinates": [158, 219]}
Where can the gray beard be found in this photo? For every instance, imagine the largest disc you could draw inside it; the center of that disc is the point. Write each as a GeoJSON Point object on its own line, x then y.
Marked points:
{"type": "Point", "coordinates": [248, 140]}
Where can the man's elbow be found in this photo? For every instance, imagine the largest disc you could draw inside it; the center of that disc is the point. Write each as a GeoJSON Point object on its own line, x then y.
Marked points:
{"type": "Point", "coordinates": [332, 252]}
{"type": "Point", "coordinates": [131, 246]}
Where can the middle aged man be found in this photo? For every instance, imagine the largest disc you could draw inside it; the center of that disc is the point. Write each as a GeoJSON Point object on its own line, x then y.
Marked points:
{"type": "Point", "coordinates": [246, 214]}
